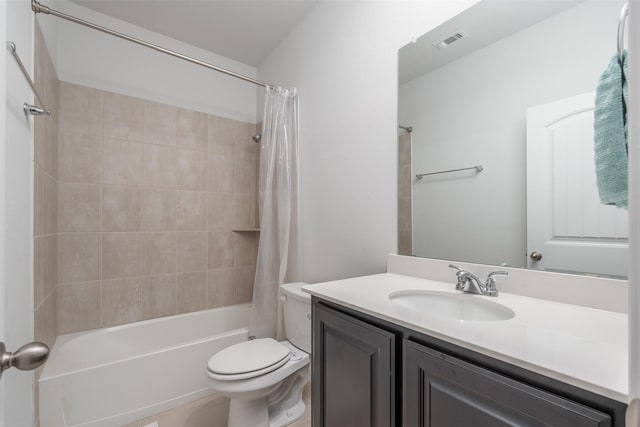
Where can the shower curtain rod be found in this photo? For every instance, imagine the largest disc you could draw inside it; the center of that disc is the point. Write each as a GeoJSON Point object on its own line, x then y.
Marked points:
{"type": "Point", "coordinates": [37, 7]}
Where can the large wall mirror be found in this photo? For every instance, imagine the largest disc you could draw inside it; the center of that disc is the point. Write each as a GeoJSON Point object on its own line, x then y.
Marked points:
{"type": "Point", "coordinates": [505, 91]}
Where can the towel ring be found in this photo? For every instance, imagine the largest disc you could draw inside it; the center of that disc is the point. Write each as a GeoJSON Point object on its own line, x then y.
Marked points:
{"type": "Point", "coordinates": [621, 24]}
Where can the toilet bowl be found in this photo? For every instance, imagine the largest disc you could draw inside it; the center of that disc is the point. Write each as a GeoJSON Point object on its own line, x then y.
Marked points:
{"type": "Point", "coordinates": [264, 378]}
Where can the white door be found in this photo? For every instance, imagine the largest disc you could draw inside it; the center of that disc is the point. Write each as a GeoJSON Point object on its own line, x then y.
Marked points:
{"type": "Point", "coordinates": [16, 207]}
{"type": "Point", "coordinates": [568, 229]}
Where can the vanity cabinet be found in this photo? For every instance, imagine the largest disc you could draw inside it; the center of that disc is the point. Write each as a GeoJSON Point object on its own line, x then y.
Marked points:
{"type": "Point", "coordinates": [370, 372]}
{"type": "Point", "coordinates": [443, 391]}
{"type": "Point", "coordinates": [355, 361]}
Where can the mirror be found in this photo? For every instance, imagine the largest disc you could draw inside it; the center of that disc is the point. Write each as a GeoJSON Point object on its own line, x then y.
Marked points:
{"type": "Point", "coordinates": [505, 91]}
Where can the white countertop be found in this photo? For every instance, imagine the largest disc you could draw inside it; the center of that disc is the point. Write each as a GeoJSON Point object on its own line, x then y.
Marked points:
{"type": "Point", "coordinates": [581, 346]}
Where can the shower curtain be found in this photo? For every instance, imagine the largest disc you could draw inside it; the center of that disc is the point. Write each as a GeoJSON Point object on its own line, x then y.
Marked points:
{"type": "Point", "coordinates": [278, 208]}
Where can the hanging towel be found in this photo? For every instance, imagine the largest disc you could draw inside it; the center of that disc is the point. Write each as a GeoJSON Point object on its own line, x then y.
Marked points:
{"type": "Point", "coordinates": [610, 133]}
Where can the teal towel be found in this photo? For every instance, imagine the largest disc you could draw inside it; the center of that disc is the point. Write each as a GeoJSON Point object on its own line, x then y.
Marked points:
{"type": "Point", "coordinates": [610, 134]}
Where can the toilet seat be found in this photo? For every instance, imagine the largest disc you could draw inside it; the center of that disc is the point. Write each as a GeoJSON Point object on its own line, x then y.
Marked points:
{"type": "Point", "coordinates": [248, 360]}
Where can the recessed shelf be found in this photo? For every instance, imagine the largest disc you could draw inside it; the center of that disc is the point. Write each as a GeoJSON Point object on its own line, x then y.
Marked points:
{"type": "Point", "coordinates": [246, 230]}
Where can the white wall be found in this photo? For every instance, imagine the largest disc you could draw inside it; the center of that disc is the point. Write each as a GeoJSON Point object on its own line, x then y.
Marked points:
{"type": "Point", "coordinates": [16, 210]}
{"type": "Point", "coordinates": [91, 58]}
{"type": "Point", "coordinates": [342, 58]}
{"type": "Point", "coordinates": [473, 111]}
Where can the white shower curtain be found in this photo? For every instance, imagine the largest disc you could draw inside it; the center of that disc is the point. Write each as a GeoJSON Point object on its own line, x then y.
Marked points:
{"type": "Point", "coordinates": [278, 208]}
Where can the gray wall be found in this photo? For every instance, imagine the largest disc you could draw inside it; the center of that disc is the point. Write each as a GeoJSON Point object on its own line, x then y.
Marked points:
{"type": "Point", "coordinates": [473, 111]}
{"type": "Point", "coordinates": [343, 57]}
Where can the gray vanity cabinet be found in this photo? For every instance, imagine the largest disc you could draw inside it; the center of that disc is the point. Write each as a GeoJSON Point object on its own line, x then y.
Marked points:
{"type": "Point", "coordinates": [368, 372]}
{"type": "Point", "coordinates": [353, 364]}
{"type": "Point", "coordinates": [443, 391]}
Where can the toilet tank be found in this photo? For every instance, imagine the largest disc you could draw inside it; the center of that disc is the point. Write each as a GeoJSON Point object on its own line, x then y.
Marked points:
{"type": "Point", "coordinates": [297, 315]}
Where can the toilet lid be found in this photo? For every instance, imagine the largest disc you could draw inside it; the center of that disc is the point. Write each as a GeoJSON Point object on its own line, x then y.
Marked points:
{"type": "Point", "coordinates": [248, 359]}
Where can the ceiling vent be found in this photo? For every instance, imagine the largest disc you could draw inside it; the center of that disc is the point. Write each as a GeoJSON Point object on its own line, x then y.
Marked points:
{"type": "Point", "coordinates": [447, 41]}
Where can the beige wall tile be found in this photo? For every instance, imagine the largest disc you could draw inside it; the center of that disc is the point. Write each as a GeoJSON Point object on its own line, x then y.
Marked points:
{"type": "Point", "coordinates": [221, 168]}
{"type": "Point", "coordinates": [159, 241]}
{"type": "Point", "coordinates": [120, 208]}
{"type": "Point", "coordinates": [192, 130]}
{"type": "Point", "coordinates": [245, 211]}
{"type": "Point", "coordinates": [192, 251]}
{"type": "Point", "coordinates": [221, 212]}
{"type": "Point", "coordinates": [246, 245]}
{"type": "Point", "coordinates": [221, 284]}
{"type": "Point", "coordinates": [158, 296]}
{"type": "Point", "coordinates": [39, 139]}
{"type": "Point", "coordinates": [404, 150]}
{"type": "Point", "coordinates": [80, 109]}
{"type": "Point", "coordinates": [220, 250]}
{"type": "Point", "coordinates": [158, 209]}
{"type": "Point", "coordinates": [404, 182]}
{"type": "Point", "coordinates": [46, 320]}
{"type": "Point", "coordinates": [121, 301]}
{"type": "Point", "coordinates": [78, 207]}
{"type": "Point", "coordinates": [192, 291]}
{"type": "Point", "coordinates": [160, 124]}
{"type": "Point", "coordinates": [80, 158]}
{"type": "Point", "coordinates": [50, 263]}
{"type": "Point", "coordinates": [123, 116]}
{"type": "Point", "coordinates": [245, 133]}
{"type": "Point", "coordinates": [38, 270]}
{"type": "Point", "coordinates": [404, 242]}
{"type": "Point", "coordinates": [243, 286]}
{"type": "Point", "coordinates": [122, 163]}
{"type": "Point", "coordinates": [157, 253]}
{"type": "Point", "coordinates": [221, 131]}
{"type": "Point", "coordinates": [191, 210]}
{"type": "Point", "coordinates": [51, 134]}
{"type": "Point", "coordinates": [404, 214]}
{"type": "Point", "coordinates": [120, 255]}
{"type": "Point", "coordinates": [246, 167]}
{"type": "Point", "coordinates": [78, 307]}
{"type": "Point", "coordinates": [38, 201]}
{"type": "Point", "coordinates": [191, 173]}
{"type": "Point", "coordinates": [50, 205]}
{"type": "Point", "coordinates": [159, 166]}
{"type": "Point", "coordinates": [79, 257]}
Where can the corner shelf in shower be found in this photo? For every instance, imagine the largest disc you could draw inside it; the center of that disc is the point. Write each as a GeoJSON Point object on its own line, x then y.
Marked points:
{"type": "Point", "coordinates": [246, 230]}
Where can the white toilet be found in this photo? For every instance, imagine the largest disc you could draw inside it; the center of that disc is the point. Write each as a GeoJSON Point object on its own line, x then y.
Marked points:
{"type": "Point", "coordinates": [264, 378]}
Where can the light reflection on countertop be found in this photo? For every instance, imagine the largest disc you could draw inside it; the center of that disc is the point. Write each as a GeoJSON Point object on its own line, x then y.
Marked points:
{"type": "Point", "coordinates": [584, 347]}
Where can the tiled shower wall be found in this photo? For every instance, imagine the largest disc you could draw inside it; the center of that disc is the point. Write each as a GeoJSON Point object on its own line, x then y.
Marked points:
{"type": "Point", "coordinates": [405, 181]}
{"type": "Point", "coordinates": [148, 198]}
{"type": "Point", "coordinates": [45, 194]}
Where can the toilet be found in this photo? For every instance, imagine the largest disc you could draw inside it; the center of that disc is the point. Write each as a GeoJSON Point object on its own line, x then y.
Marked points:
{"type": "Point", "coordinates": [264, 378]}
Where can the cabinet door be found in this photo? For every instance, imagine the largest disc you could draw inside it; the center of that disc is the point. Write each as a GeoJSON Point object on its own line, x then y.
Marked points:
{"type": "Point", "coordinates": [442, 391]}
{"type": "Point", "coordinates": [352, 372]}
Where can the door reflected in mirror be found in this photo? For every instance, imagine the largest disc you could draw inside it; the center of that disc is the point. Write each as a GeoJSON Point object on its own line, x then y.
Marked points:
{"type": "Point", "coordinates": [500, 104]}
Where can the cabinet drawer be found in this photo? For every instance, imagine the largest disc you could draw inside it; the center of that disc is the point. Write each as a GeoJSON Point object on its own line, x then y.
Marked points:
{"type": "Point", "coordinates": [443, 391]}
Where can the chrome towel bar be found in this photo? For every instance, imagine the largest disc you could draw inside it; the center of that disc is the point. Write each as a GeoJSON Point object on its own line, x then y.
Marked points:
{"type": "Point", "coordinates": [29, 109]}
{"type": "Point", "coordinates": [478, 168]}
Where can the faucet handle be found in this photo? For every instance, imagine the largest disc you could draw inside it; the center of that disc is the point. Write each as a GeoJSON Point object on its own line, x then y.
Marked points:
{"type": "Point", "coordinates": [497, 273]}
{"type": "Point", "coordinates": [456, 268]}
{"type": "Point", "coordinates": [490, 284]}
{"type": "Point", "coordinates": [460, 274]}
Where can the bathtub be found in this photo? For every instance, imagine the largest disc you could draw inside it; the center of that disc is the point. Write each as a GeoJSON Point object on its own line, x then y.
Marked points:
{"type": "Point", "coordinates": [117, 375]}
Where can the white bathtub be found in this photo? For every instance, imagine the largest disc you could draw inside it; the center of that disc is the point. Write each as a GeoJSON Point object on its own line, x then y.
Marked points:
{"type": "Point", "coordinates": [114, 376]}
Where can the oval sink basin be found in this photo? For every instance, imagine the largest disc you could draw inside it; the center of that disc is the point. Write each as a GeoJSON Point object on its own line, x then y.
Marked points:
{"type": "Point", "coordinates": [453, 306]}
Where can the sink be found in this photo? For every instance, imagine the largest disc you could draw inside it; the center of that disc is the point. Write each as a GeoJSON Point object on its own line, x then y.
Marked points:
{"type": "Point", "coordinates": [457, 306]}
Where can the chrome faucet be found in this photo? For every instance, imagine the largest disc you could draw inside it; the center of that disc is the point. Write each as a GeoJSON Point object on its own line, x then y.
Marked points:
{"type": "Point", "coordinates": [469, 282]}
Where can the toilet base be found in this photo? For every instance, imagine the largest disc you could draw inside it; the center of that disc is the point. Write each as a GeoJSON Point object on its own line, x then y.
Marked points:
{"type": "Point", "coordinates": [244, 413]}
{"type": "Point", "coordinates": [282, 407]}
